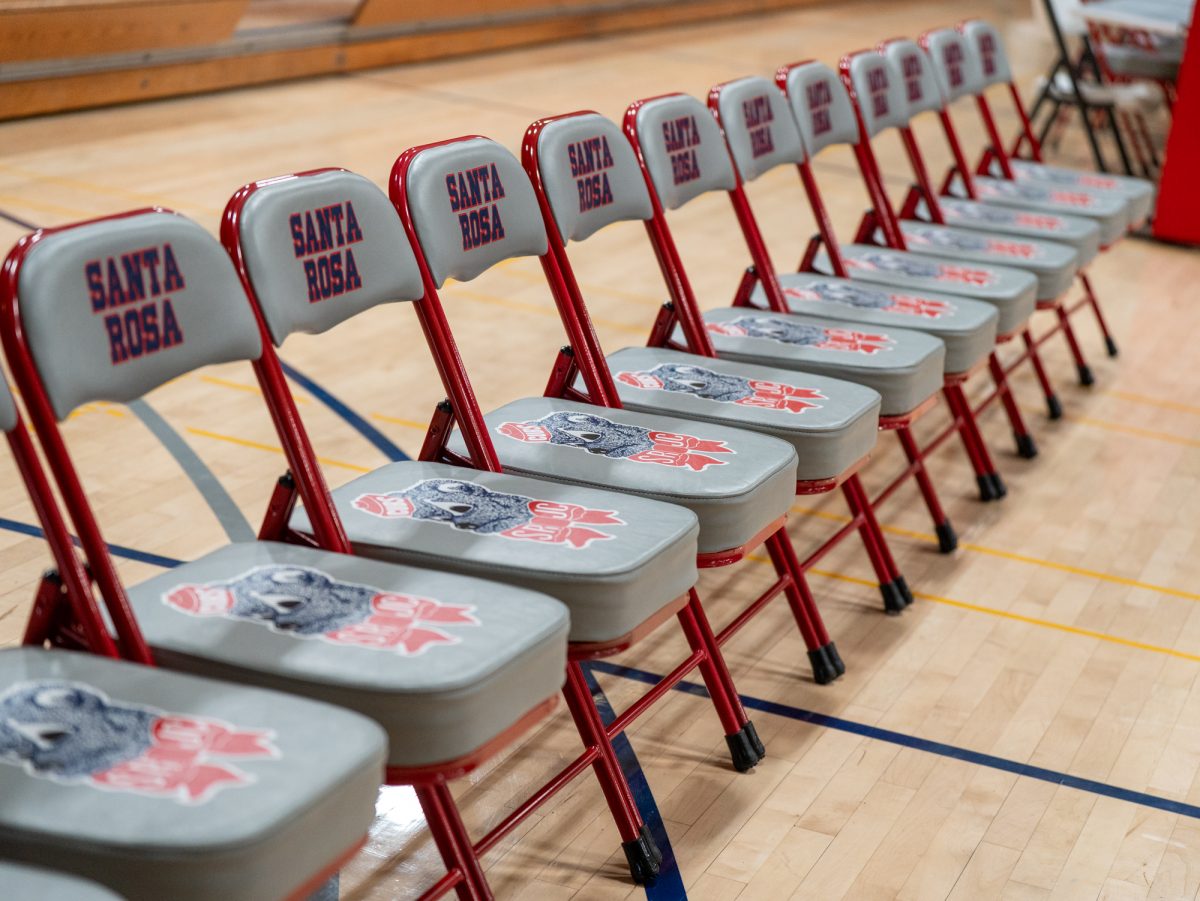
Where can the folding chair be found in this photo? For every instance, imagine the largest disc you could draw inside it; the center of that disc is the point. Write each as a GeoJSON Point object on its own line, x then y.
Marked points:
{"type": "Point", "coordinates": [826, 116]}
{"type": "Point", "coordinates": [994, 69]}
{"type": "Point", "coordinates": [887, 88]}
{"type": "Point", "coordinates": [959, 74]}
{"type": "Point", "coordinates": [623, 565]}
{"type": "Point", "coordinates": [586, 176]}
{"type": "Point", "coordinates": [762, 134]}
{"type": "Point", "coordinates": [452, 668]}
{"type": "Point", "coordinates": [154, 784]}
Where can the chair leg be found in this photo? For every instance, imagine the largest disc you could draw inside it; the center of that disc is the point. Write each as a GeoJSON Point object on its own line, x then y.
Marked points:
{"type": "Point", "coordinates": [895, 591]}
{"type": "Point", "coordinates": [823, 654]}
{"type": "Point", "coordinates": [745, 747]}
{"type": "Point", "coordinates": [991, 486]}
{"type": "Point", "coordinates": [1109, 343]}
{"type": "Point", "coordinates": [1085, 372]}
{"type": "Point", "coordinates": [1053, 404]}
{"type": "Point", "coordinates": [947, 538]}
{"type": "Point", "coordinates": [635, 838]}
{"type": "Point", "coordinates": [1026, 447]}
{"type": "Point", "coordinates": [452, 840]}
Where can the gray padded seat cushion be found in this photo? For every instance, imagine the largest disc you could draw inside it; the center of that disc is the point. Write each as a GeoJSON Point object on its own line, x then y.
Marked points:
{"type": "Point", "coordinates": [1135, 62]}
{"type": "Point", "coordinates": [613, 559]}
{"type": "Point", "coordinates": [306, 793]}
{"type": "Point", "coordinates": [21, 883]}
{"type": "Point", "coordinates": [1138, 191]}
{"type": "Point", "coordinates": [1053, 263]}
{"type": "Point", "coordinates": [444, 663]}
{"type": "Point", "coordinates": [8, 411]}
{"type": "Point", "coordinates": [736, 485]}
{"type": "Point", "coordinates": [903, 365]}
{"type": "Point", "coordinates": [966, 327]}
{"type": "Point", "coordinates": [1110, 211]}
{"type": "Point", "coordinates": [320, 249]}
{"type": "Point", "coordinates": [830, 432]}
{"type": "Point", "coordinates": [1011, 291]}
{"type": "Point", "coordinates": [1080, 232]}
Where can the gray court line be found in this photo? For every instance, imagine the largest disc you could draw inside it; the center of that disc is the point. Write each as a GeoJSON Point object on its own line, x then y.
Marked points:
{"type": "Point", "coordinates": [228, 515]}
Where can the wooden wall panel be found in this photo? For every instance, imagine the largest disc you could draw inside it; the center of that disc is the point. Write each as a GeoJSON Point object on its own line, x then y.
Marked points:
{"type": "Point", "coordinates": [64, 29]}
{"type": "Point", "coordinates": [353, 52]}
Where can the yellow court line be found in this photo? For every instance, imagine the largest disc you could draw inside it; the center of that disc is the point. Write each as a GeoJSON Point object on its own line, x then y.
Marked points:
{"type": "Point", "coordinates": [67, 182]}
{"type": "Point", "coordinates": [245, 442]}
{"type": "Point", "coordinates": [1004, 614]}
{"type": "Point", "coordinates": [1153, 401]}
{"type": "Point", "coordinates": [1018, 558]}
{"type": "Point", "coordinates": [407, 423]}
{"type": "Point", "coordinates": [541, 311]}
{"type": "Point", "coordinates": [9, 202]}
{"type": "Point", "coordinates": [238, 386]}
{"type": "Point", "coordinates": [1134, 430]}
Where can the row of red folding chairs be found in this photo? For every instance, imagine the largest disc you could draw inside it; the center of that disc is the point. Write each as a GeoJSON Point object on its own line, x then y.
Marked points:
{"type": "Point", "coordinates": [421, 618]}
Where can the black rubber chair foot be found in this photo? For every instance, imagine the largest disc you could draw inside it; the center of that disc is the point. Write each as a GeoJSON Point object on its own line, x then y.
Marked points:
{"type": "Point", "coordinates": [946, 536]}
{"type": "Point", "coordinates": [742, 750]}
{"type": "Point", "coordinates": [824, 668]}
{"type": "Point", "coordinates": [831, 652]}
{"type": "Point", "coordinates": [905, 592]}
{"type": "Point", "coordinates": [1111, 346]}
{"type": "Point", "coordinates": [1026, 446]}
{"type": "Point", "coordinates": [645, 835]}
{"type": "Point", "coordinates": [999, 489]}
{"type": "Point", "coordinates": [987, 490]}
{"type": "Point", "coordinates": [640, 853]}
{"type": "Point", "coordinates": [755, 741]}
{"type": "Point", "coordinates": [893, 597]}
{"type": "Point", "coordinates": [1085, 376]}
{"type": "Point", "coordinates": [1054, 406]}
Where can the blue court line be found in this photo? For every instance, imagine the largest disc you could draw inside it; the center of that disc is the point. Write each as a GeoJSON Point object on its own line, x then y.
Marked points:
{"type": "Point", "coordinates": [923, 744]}
{"type": "Point", "coordinates": [230, 517]}
{"type": "Point", "coordinates": [117, 550]}
{"type": "Point", "coordinates": [669, 885]}
{"type": "Point", "coordinates": [357, 422]}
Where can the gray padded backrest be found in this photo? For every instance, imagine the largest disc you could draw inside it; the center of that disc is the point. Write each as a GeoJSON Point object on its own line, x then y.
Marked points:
{"type": "Point", "coordinates": [759, 126]}
{"type": "Point", "coordinates": [821, 106]}
{"type": "Point", "coordinates": [321, 248]}
{"type": "Point", "coordinates": [989, 52]}
{"type": "Point", "coordinates": [954, 64]}
{"type": "Point", "coordinates": [683, 149]}
{"type": "Point", "coordinates": [472, 206]}
{"type": "Point", "coordinates": [921, 89]}
{"type": "Point", "coordinates": [880, 92]}
{"type": "Point", "coordinates": [590, 175]}
{"type": "Point", "coordinates": [116, 308]}
{"type": "Point", "coordinates": [8, 410]}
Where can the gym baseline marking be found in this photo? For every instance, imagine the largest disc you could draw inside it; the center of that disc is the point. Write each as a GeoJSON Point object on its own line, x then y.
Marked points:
{"type": "Point", "coordinates": [903, 739]}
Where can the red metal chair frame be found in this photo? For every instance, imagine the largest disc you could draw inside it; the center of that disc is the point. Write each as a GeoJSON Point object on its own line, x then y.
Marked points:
{"type": "Point", "coordinates": [65, 612]}
{"type": "Point", "coordinates": [461, 409]}
{"type": "Point", "coordinates": [995, 151]}
{"type": "Point", "coordinates": [684, 311]}
{"type": "Point", "coordinates": [584, 356]}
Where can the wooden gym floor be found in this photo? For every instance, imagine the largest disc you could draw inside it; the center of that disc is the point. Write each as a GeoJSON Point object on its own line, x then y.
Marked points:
{"type": "Point", "coordinates": [1030, 728]}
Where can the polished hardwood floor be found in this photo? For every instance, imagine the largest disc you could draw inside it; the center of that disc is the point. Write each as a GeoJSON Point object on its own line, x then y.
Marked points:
{"type": "Point", "coordinates": [1030, 728]}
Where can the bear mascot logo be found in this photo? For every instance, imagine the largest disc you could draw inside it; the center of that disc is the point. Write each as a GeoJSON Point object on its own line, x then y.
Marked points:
{"type": "Point", "coordinates": [307, 603]}
{"type": "Point", "coordinates": [946, 239]}
{"type": "Point", "coordinates": [617, 440]}
{"type": "Point", "coordinates": [863, 297]}
{"type": "Point", "coordinates": [916, 267]}
{"type": "Point", "coordinates": [74, 734]}
{"type": "Point", "coordinates": [722, 388]}
{"type": "Point", "coordinates": [801, 334]}
{"type": "Point", "coordinates": [469, 507]}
